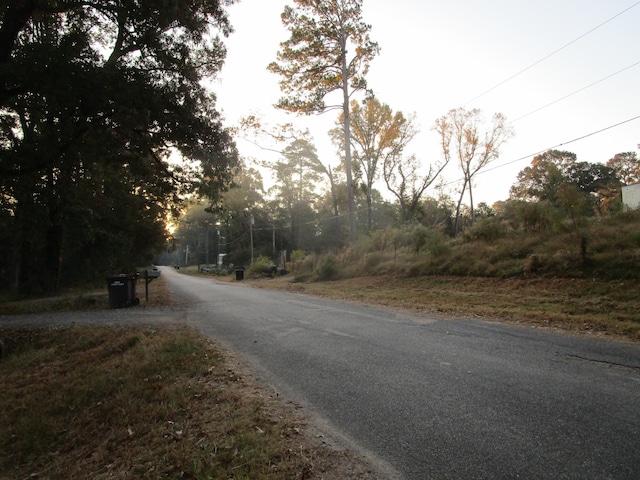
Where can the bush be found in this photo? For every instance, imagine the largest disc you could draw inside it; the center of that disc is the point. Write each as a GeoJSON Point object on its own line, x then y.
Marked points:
{"type": "Point", "coordinates": [328, 269]}
{"type": "Point", "coordinates": [296, 258]}
{"type": "Point", "coordinates": [438, 244]}
{"type": "Point", "coordinates": [258, 265]}
{"type": "Point", "coordinates": [486, 229]}
{"type": "Point", "coordinates": [381, 239]}
{"type": "Point", "coordinates": [420, 235]}
{"type": "Point", "coordinates": [534, 264]}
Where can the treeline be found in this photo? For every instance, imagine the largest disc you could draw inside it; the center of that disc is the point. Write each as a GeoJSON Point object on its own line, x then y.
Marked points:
{"type": "Point", "coordinates": [555, 195]}
{"type": "Point", "coordinates": [94, 98]}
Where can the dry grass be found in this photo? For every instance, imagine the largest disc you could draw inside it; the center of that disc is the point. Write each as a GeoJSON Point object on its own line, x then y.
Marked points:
{"type": "Point", "coordinates": [86, 299]}
{"type": "Point", "coordinates": [594, 307]}
{"type": "Point", "coordinates": [130, 402]}
{"type": "Point", "coordinates": [126, 402]}
{"type": "Point", "coordinates": [149, 403]}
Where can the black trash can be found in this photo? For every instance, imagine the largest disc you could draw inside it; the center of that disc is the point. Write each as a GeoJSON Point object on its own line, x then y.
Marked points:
{"type": "Point", "coordinates": [122, 291]}
{"type": "Point", "coordinates": [239, 274]}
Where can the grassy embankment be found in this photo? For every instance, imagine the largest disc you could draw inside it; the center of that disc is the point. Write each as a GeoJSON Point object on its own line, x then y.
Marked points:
{"type": "Point", "coordinates": [585, 280]}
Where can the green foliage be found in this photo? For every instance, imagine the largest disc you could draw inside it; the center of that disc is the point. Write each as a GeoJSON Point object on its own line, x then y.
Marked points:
{"type": "Point", "coordinates": [531, 216]}
{"type": "Point", "coordinates": [486, 229]}
{"type": "Point", "coordinates": [578, 188]}
{"type": "Point", "coordinates": [438, 244]}
{"type": "Point", "coordinates": [627, 167]}
{"type": "Point", "coordinates": [88, 122]}
{"type": "Point", "coordinates": [296, 257]}
{"type": "Point", "coordinates": [420, 234]}
{"type": "Point", "coordinates": [309, 59]}
{"type": "Point", "coordinates": [329, 43]}
{"type": "Point", "coordinates": [328, 269]}
{"type": "Point", "coordinates": [381, 239]}
{"type": "Point", "coordinates": [258, 265]}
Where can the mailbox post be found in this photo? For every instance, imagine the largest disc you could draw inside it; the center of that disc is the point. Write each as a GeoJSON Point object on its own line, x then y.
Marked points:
{"type": "Point", "coordinates": [149, 276]}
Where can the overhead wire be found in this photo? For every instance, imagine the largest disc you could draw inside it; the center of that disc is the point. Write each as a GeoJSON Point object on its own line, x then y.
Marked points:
{"type": "Point", "coordinates": [574, 93]}
{"type": "Point", "coordinates": [559, 99]}
{"type": "Point", "coordinates": [539, 152]}
{"type": "Point", "coordinates": [560, 144]}
{"type": "Point", "coordinates": [529, 67]}
{"type": "Point", "coordinates": [550, 54]}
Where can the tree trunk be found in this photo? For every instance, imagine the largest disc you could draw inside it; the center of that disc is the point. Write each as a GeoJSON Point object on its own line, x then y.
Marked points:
{"type": "Point", "coordinates": [336, 210]}
{"type": "Point", "coordinates": [369, 212]}
{"type": "Point", "coordinates": [455, 226]}
{"type": "Point", "coordinates": [473, 215]}
{"type": "Point", "coordinates": [347, 143]}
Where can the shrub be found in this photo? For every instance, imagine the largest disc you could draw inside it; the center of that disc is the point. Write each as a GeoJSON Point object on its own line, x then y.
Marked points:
{"type": "Point", "coordinates": [438, 244]}
{"type": "Point", "coordinates": [296, 258]}
{"type": "Point", "coordinates": [420, 234]}
{"type": "Point", "coordinates": [371, 261]}
{"type": "Point", "coordinates": [328, 269]}
{"type": "Point", "coordinates": [536, 216]}
{"type": "Point", "coordinates": [486, 229]}
{"type": "Point", "coordinates": [381, 239]}
{"type": "Point", "coordinates": [534, 264]}
{"type": "Point", "coordinates": [258, 264]}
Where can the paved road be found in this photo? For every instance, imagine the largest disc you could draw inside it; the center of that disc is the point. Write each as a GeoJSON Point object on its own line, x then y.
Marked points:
{"type": "Point", "coordinates": [454, 399]}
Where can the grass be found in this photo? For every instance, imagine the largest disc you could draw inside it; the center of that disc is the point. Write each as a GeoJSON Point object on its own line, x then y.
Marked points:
{"type": "Point", "coordinates": [585, 281]}
{"type": "Point", "coordinates": [150, 403]}
{"type": "Point", "coordinates": [586, 306]}
{"type": "Point", "coordinates": [87, 298]}
{"type": "Point", "coordinates": [124, 402]}
{"type": "Point", "coordinates": [67, 301]}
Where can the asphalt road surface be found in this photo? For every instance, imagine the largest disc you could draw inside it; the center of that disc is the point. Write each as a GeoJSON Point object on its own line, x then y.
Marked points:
{"type": "Point", "coordinates": [437, 399]}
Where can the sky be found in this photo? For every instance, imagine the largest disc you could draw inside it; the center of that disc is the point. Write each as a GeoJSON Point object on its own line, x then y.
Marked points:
{"type": "Point", "coordinates": [565, 73]}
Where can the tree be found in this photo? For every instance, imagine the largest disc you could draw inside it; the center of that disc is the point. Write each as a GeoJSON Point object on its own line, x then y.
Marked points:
{"type": "Point", "coordinates": [297, 175]}
{"type": "Point", "coordinates": [255, 126]}
{"type": "Point", "coordinates": [95, 96]}
{"type": "Point", "coordinates": [158, 36]}
{"type": "Point", "coordinates": [329, 50]}
{"type": "Point", "coordinates": [404, 180]}
{"type": "Point", "coordinates": [473, 146]}
{"type": "Point", "coordinates": [379, 137]}
{"type": "Point", "coordinates": [240, 204]}
{"type": "Point", "coordinates": [626, 166]}
{"type": "Point", "coordinates": [550, 174]}
{"type": "Point", "coordinates": [542, 179]}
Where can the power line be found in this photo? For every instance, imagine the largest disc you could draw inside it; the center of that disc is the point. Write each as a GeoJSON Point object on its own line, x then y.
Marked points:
{"type": "Point", "coordinates": [550, 55]}
{"type": "Point", "coordinates": [526, 157]}
{"type": "Point", "coordinates": [559, 145]}
{"type": "Point", "coordinates": [575, 92]}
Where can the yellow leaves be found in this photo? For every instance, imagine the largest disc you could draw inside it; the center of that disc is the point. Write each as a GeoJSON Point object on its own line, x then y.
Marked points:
{"type": "Point", "coordinates": [251, 122]}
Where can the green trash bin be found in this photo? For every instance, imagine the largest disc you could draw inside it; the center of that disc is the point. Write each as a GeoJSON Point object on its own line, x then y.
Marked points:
{"type": "Point", "coordinates": [122, 291]}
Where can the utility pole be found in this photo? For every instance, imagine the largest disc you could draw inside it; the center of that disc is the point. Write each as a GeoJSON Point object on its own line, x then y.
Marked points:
{"type": "Point", "coordinates": [206, 244]}
{"type": "Point", "coordinates": [251, 235]}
